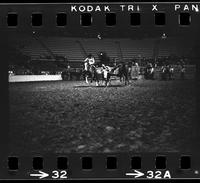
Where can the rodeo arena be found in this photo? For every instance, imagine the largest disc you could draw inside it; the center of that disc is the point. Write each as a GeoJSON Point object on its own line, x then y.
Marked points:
{"type": "Point", "coordinates": [79, 59]}
{"type": "Point", "coordinates": [100, 92]}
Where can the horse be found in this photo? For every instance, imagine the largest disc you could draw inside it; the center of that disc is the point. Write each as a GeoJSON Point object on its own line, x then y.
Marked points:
{"type": "Point", "coordinates": [167, 72]}
{"type": "Point", "coordinates": [121, 71]}
{"type": "Point", "coordinates": [69, 74]}
{"type": "Point", "coordinates": [104, 73]}
{"type": "Point", "coordinates": [90, 71]}
{"type": "Point", "coordinates": [149, 72]}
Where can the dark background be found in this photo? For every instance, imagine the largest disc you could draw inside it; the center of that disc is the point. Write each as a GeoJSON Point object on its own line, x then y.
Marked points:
{"type": "Point", "coordinates": [193, 29]}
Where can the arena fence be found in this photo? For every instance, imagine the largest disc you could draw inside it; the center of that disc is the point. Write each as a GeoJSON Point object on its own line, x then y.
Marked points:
{"type": "Point", "coordinates": [29, 78]}
{"type": "Point", "coordinates": [135, 74]}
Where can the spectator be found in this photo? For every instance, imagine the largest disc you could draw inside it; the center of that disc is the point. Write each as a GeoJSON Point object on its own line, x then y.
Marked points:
{"type": "Point", "coordinates": [182, 72]}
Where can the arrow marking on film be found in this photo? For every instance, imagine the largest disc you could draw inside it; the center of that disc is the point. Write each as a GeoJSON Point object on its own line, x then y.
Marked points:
{"type": "Point", "coordinates": [136, 174]}
{"type": "Point", "coordinates": [40, 175]}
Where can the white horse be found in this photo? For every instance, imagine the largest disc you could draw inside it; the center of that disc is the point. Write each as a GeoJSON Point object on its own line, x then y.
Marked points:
{"type": "Point", "coordinates": [90, 71]}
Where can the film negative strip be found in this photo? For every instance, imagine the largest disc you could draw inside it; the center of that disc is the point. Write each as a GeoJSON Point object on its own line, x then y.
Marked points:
{"type": "Point", "coordinates": [100, 90]}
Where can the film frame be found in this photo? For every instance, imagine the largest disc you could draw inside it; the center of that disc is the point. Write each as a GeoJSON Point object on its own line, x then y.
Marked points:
{"type": "Point", "coordinates": [86, 165]}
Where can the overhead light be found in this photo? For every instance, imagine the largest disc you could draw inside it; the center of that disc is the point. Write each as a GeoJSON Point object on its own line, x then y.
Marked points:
{"type": "Point", "coordinates": [99, 36]}
{"type": "Point", "coordinates": [164, 36]}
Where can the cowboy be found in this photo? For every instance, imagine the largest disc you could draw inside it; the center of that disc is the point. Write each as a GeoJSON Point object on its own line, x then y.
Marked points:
{"type": "Point", "coordinates": [106, 70]}
{"type": "Point", "coordinates": [90, 60]}
{"type": "Point", "coordinates": [182, 69]}
{"type": "Point", "coordinates": [88, 66]}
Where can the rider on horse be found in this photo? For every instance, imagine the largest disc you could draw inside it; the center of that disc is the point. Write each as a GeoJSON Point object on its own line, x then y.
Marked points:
{"type": "Point", "coordinates": [89, 68]}
{"type": "Point", "coordinates": [88, 62]}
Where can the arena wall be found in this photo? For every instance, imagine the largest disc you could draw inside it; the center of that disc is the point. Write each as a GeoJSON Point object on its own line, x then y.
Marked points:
{"type": "Point", "coordinates": [190, 74]}
{"type": "Point", "coordinates": [28, 78]}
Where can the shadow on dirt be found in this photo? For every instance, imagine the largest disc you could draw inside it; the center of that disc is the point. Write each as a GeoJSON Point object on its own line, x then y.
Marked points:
{"type": "Point", "coordinates": [101, 86]}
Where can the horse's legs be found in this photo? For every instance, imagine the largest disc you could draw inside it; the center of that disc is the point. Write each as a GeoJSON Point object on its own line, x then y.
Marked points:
{"type": "Point", "coordinates": [120, 78]}
{"type": "Point", "coordinates": [97, 83]}
{"type": "Point", "coordinates": [125, 80]}
{"type": "Point", "coordinates": [92, 77]}
{"type": "Point", "coordinates": [96, 79]}
{"type": "Point", "coordinates": [108, 79]}
{"type": "Point", "coordinates": [86, 79]}
{"type": "Point", "coordinates": [106, 82]}
{"type": "Point", "coordinates": [85, 76]}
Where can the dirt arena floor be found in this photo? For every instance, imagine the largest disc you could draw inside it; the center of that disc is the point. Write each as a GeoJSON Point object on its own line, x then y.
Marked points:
{"type": "Point", "coordinates": [71, 116]}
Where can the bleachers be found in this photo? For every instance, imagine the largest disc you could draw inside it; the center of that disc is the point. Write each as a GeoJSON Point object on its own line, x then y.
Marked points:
{"type": "Point", "coordinates": [137, 48]}
{"type": "Point", "coordinates": [66, 47]}
{"type": "Point", "coordinates": [172, 46]}
{"type": "Point", "coordinates": [34, 49]}
{"type": "Point", "coordinates": [72, 48]}
{"type": "Point", "coordinates": [95, 46]}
